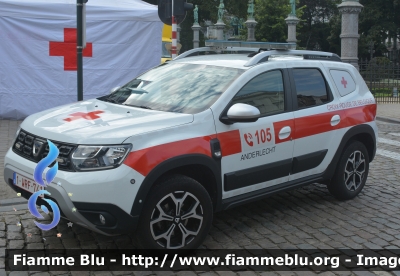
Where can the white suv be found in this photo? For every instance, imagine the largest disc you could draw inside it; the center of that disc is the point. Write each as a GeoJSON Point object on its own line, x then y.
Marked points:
{"type": "Point", "coordinates": [201, 134]}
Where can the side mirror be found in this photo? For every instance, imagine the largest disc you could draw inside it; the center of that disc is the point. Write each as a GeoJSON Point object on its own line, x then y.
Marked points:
{"type": "Point", "coordinates": [241, 113]}
{"type": "Point", "coordinates": [115, 89]}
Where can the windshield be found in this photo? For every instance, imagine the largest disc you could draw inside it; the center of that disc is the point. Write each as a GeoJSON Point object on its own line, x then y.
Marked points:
{"type": "Point", "coordinates": [182, 88]}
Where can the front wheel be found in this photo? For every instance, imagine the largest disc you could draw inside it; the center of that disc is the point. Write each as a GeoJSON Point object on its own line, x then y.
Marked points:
{"type": "Point", "coordinates": [351, 173]}
{"type": "Point", "coordinates": [177, 215]}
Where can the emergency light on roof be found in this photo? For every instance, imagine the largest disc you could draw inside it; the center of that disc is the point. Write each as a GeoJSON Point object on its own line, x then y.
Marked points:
{"type": "Point", "coordinates": [222, 44]}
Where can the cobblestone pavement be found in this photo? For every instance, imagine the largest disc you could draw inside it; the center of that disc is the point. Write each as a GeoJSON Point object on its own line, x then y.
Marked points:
{"type": "Point", "coordinates": [306, 218]}
{"type": "Point", "coordinates": [8, 128]}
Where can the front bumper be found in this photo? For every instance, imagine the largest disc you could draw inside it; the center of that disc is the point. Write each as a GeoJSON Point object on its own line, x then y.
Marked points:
{"type": "Point", "coordinates": [90, 195]}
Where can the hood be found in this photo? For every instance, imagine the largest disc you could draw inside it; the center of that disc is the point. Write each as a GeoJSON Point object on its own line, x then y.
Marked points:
{"type": "Point", "coordinates": [98, 122]}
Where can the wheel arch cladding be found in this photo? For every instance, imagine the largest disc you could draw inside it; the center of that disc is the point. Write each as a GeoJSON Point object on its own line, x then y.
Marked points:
{"type": "Point", "coordinates": [363, 133]}
{"type": "Point", "coordinates": [368, 142]}
{"type": "Point", "coordinates": [202, 168]}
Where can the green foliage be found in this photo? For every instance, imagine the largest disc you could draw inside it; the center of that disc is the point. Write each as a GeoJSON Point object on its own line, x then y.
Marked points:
{"type": "Point", "coordinates": [207, 11]}
{"type": "Point", "coordinates": [382, 92]}
{"type": "Point", "coordinates": [335, 28]}
{"type": "Point", "coordinates": [270, 15]}
{"type": "Point", "coordinates": [379, 20]}
{"type": "Point", "coordinates": [316, 27]}
{"type": "Point", "coordinates": [379, 70]}
{"type": "Point", "coordinates": [320, 22]}
{"type": "Point", "coordinates": [381, 61]}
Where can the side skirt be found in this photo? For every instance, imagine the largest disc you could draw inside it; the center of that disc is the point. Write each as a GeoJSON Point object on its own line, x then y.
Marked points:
{"type": "Point", "coordinates": [269, 191]}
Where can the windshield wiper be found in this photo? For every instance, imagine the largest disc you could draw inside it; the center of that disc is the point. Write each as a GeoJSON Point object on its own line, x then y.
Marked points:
{"type": "Point", "coordinates": [140, 106]}
{"type": "Point", "coordinates": [137, 90]}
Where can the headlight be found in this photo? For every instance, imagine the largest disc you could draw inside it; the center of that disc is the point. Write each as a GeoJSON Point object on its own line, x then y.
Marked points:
{"type": "Point", "coordinates": [89, 158]}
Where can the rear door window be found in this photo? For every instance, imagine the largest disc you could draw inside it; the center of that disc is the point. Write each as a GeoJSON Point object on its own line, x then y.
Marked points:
{"type": "Point", "coordinates": [310, 87]}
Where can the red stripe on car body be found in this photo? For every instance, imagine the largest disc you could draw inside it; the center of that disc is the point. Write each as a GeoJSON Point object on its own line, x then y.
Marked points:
{"type": "Point", "coordinates": [316, 124]}
{"type": "Point", "coordinates": [360, 115]}
{"type": "Point", "coordinates": [321, 123]}
{"type": "Point", "coordinates": [144, 160]}
{"type": "Point", "coordinates": [230, 142]}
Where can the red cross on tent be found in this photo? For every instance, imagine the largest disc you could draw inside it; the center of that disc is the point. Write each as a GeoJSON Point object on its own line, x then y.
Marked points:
{"type": "Point", "coordinates": [87, 116]}
{"type": "Point", "coordinates": [67, 49]}
{"type": "Point", "coordinates": [344, 82]}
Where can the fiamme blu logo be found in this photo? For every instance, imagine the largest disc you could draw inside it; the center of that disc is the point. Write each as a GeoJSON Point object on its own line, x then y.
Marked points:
{"type": "Point", "coordinates": [43, 181]}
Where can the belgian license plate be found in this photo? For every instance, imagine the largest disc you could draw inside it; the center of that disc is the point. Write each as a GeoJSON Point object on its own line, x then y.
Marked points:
{"type": "Point", "coordinates": [27, 184]}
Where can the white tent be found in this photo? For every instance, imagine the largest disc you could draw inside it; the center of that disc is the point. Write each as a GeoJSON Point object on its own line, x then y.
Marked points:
{"type": "Point", "coordinates": [38, 50]}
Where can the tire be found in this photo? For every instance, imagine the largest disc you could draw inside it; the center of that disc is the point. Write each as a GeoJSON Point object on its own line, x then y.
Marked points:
{"type": "Point", "coordinates": [188, 229]}
{"type": "Point", "coordinates": [351, 172]}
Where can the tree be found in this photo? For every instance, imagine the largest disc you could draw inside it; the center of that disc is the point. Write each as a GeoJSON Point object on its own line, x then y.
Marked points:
{"type": "Point", "coordinates": [316, 25]}
{"type": "Point", "coordinates": [207, 11]}
{"type": "Point", "coordinates": [320, 22]}
{"type": "Point", "coordinates": [379, 21]}
{"type": "Point", "coordinates": [270, 15]}
{"type": "Point", "coordinates": [209, 7]}
{"type": "Point", "coordinates": [335, 28]}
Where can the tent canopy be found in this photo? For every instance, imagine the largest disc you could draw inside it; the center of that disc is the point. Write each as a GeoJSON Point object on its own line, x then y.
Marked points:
{"type": "Point", "coordinates": [136, 10]}
{"type": "Point", "coordinates": [38, 62]}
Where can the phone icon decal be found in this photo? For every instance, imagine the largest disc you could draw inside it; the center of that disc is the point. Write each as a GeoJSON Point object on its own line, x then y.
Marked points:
{"type": "Point", "coordinates": [248, 138]}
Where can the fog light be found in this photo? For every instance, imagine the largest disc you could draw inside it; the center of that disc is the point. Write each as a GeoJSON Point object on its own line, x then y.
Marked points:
{"type": "Point", "coordinates": [18, 146]}
{"type": "Point", "coordinates": [102, 219]}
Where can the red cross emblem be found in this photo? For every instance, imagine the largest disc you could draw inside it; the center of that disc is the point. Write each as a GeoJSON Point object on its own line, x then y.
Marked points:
{"type": "Point", "coordinates": [344, 82]}
{"type": "Point", "coordinates": [67, 49]}
{"type": "Point", "coordinates": [87, 116]}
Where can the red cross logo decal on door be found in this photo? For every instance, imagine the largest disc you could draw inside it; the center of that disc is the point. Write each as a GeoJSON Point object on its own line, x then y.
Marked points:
{"type": "Point", "coordinates": [87, 116]}
{"type": "Point", "coordinates": [67, 49]}
{"type": "Point", "coordinates": [344, 82]}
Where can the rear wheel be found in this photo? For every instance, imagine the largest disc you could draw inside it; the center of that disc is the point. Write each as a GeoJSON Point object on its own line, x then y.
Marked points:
{"type": "Point", "coordinates": [178, 215]}
{"type": "Point", "coordinates": [351, 172]}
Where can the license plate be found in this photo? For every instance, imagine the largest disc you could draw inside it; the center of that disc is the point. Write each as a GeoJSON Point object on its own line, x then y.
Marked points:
{"type": "Point", "coordinates": [27, 184]}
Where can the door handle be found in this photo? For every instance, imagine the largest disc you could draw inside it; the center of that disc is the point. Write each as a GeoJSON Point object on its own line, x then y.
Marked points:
{"type": "Point", "coordinates": [285, 132]}
{"type": "Point", "coordinates": [335, 120]}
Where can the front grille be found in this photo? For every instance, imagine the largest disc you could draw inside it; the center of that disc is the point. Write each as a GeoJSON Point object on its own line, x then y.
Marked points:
{"type": "Point", "coordinates": [36, 148]}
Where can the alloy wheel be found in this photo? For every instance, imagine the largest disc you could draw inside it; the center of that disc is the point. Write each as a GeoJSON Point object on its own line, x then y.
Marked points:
{"type": "Point", "coordinates": [354, 171]}
{"type": "Point", "coordinates": [176, 220]}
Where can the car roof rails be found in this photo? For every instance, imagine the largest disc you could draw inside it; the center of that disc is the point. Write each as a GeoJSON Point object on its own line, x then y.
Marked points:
{"type": "Point", "coordinates": [212, 50]}
{"type": "Point", "coordinates": [253, 45]}
{"type": "Point", "coordinates": [310, 55]}
{"type": "Point", "coordinates": [259, 51]}
{"type": "Point", "coordinates": [218, 46]}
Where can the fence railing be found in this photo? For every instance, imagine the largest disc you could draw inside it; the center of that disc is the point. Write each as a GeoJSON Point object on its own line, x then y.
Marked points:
{"type": "Point", "coordinates": [383, 80]}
